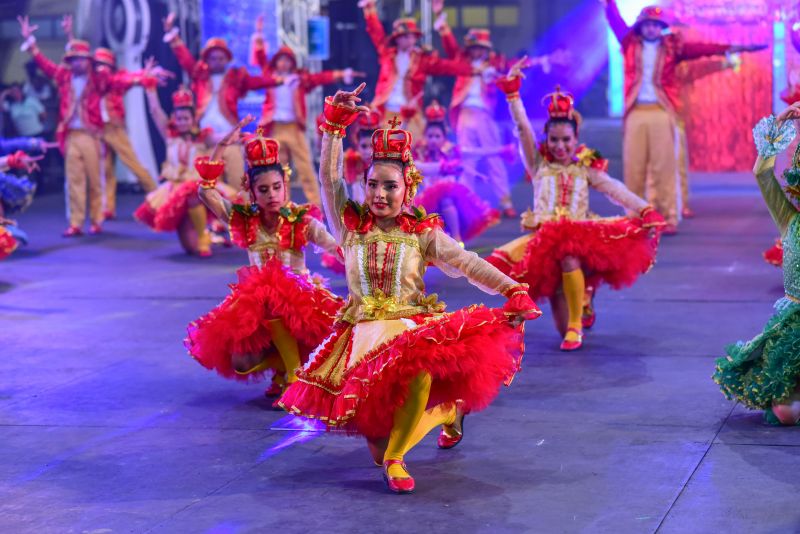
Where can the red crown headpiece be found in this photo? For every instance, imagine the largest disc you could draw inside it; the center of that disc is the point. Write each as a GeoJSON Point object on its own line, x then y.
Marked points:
{"type": "Point", "coordinates": [105, 56]}
{"type": "Point", "coordinates": [478, 37]}
{"type": "Point", "coordinates": [395, 144]}
{"type": "Point", "coordinates": [182, 98]}
{"type": "Point", "coordinates": [78, 48]}
{"type": "Point", "coordinates": [260, 150]}
{"type": "Point", "coordinates": [560, 105]}
{"type": "Point", "coordinates": [653, 13]}
{"type": "Point", "coordinates": [435, 112]}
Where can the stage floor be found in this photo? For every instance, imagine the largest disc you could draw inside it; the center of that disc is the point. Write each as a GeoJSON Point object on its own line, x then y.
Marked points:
{"type": "Point", "coordinates": [106, 425]}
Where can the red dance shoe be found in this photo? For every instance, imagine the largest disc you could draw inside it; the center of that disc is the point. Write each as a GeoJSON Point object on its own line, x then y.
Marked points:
{"type": "Point", "coordinates": [95, 229]}
{"type": "Point", "coordinates": [687, 213]}
{"type": "Point", "coordinates": [510, 213]}
{"type": "Point", "coordinates": [109, 215]}
{"type": "Point", "coordinates": [588, 316]}
{"type": "Point", "coordinates": [72, 231]}
{"type": "Point", "coordinates": [568, 346]}
{"type": "Point", "coordinates": [446, 441]}
{"type": "Point", "coordinates": [397, 485]}
{"type": "Point", "coordinates": [205, 253]}
{"type": "Point", "coordinates": [669, 229]}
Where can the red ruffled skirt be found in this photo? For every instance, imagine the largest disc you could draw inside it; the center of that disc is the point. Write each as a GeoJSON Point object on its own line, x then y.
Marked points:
{"type": "Point", "coordinates": [164, 209]}
{"type": "Point", "coordinates": [240, 324]}
{"type": "Point", "coordinates": [475, 215]}
{"type": "Point", "coordinates": [613, 250]}
{"type": "Point", "coordinates": [7, 243]}
{"type": "Point", "coordinates": [360, 375]}
{"type": "Point", "coordinates": [774, 254]}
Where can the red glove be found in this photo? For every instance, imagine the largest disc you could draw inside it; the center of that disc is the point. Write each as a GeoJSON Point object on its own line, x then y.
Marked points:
{"type": "Point", "coordinates": [337, 118]}
{"type": "Point", "coordinates": [519, 303]}
{"type": "Point", "coordinates": [651, 218]}
{"type": "Point", "coordinates": [510, 86]}
{"type": "Point", "coordinates": [408, 112]}
{"type": "Point", "coordinates": [208, 170]}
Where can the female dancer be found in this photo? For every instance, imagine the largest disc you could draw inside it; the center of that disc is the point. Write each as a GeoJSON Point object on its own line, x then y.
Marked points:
{"type": "Point", "coordinates": [16, 192]}
{"type": "Point", "coordinates": [174, 205]}
{"type": "Point", "coordinates": [395, 363]}
{"type": "Point", "coordinates": [567, 242]}
{"type": "Point", "coordinates": [763, 373]}
{"type": "Point", "coordinates": [277, 312]}
{"type": "Point", "coordinates": [464, 213]}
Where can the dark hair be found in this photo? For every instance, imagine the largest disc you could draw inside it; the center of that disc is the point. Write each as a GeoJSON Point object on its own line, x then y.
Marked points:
{"type": "Point", "coordinates": [437, 124]}
{"type": "Point", "coordinates": [398, 164]}
{"type": "Point", "coordinates": [571, 122]}
{"type": "Point", "coordinates": [365, 132]}
{"type": "Point", "coordinates": [254, 172]}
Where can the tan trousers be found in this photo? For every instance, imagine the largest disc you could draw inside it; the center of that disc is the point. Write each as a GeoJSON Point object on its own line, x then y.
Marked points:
{"type": "Point", "coordinates": [296, 152]}
{"type": "Point", "coordinates": [650, 161]}
{"type": "Point", "coordinates": [82, 169]}
{"type": "Point", "coordinates": [117, 142]}
{"type": "Point", "coordinates": [478, 129]}
{"type": "Point", "coordinates": [233, 157]}
{"type": "Point", "coordinates": [683, 163]}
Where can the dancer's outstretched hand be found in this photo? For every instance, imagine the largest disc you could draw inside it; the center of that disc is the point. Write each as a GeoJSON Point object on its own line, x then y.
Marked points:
{"type": "Point", "coordinates": [66, 25]}
{"type": "Point", "coordinates": [350, 99]}
{"type": "Point", "coordinates": [516, 69]}
{"type": "Point", "coordinates": [790, 113]}
{"type": "Point", "coordinates": [749, 48]}
{"type": "Point", "coordinates": [364, 4]}
{"type": "Point", "coordinates": [231, 137]}
{"type": "Point", "coordinates": [158, 72]}
{"type": "Point", "coordinates": [437, 6]}
{"type": "Point", "coordinates": [25, 27]}
{"type": "Point", "coordinates": [169, 22]}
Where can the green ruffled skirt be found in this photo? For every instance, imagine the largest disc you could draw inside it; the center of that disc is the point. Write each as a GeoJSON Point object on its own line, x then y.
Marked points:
{"type": "Point", "coordinates": [764, 370]}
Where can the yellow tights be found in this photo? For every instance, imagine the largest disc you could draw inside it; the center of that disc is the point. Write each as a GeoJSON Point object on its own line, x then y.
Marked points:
{"type": "Point", "coordinates": [407, 419]}
{"type": "Point", "coordinates": [199, 218]}
{"type": "Point", "coordinates": [574, 287]}
{"type": "Point", "coordinates": [286, 345]}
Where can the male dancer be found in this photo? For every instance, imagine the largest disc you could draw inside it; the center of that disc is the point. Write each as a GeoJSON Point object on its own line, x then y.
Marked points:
{"type": "Point", "coordinates": [651, 103]}
{"type": "Point", "coordinates": [79, 127]}
{"type": "Point", "coordinates": [218, 89]}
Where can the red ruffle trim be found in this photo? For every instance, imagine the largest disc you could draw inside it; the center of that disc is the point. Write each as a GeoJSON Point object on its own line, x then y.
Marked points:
{"type": "Point", "coordinates": [475, 215]}
{"type": "Point", "coordinates": [612, 251]}
{"type": "Point", "coordinates": [240, 324]}
{"type": "Point", "coordinates": [7, 243]}
{"type": "Point", "coordinates": [774, 254]}
{"type": "Point", "coordinates": [168, 216]}
{"type": "Point", "coordinates": [332, 263]}
{"type": "Point", "coordinates": [469, 354]}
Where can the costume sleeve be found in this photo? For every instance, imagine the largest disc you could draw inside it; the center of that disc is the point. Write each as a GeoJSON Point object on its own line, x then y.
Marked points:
{"type": "Point", "coordinates": [258, 53]}
{"type": "Point", "coordinates": [790, 95]}
{"type": "Point", "coordinates": [252, 82]}
{"type": "Point", "coordinates": [444, 252]}
{"type": "Point", "coordinates": [449, 43]}
{"type": "Point", "coordinates": [319, 235]}
{"type": "Point", "coordinates": [185, 58]}
{"type": "Point", "coordinates": [49, 68]}
{"type": "Point", "coordinates": [615, 20]}
{"type": "Point", "coordinates": [434, 65]}
{"type": "Point", "coordinates": [690, 50]}
{"type": "Point", "coordinates": [310, 80]}
{"type": "Point", "coordinates": [770, 141]}
{"type": "Point", "coordinates": [691, 71]}
{"type": "Point", "coordinates": [156, 111]}
{"type": "Point", "coordinates": [334, 193]}
{"type": "Point", "coordinates": [616, 191]}
{"type": "Point", "coordinates": [524, 131]}
{"type": "Point", "coordinates": [375, 30]}
{"type": "Point", "coordinates": [9, 145]}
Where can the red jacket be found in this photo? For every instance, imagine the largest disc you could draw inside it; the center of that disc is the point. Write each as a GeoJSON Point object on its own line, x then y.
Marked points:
{"type": "Point", "coordinates": [89, 105]}
{"type": "Point", "coordinates": [461, 87]}
{"type": "Point", "coordinates": [790, 95]}
{"type": "Point", "coordinates": [424, 63]}
{"type": "Point", "coordinates": [307, 82]}
{"type": "Point", "coordinates": [235, 85]}
{"type": "Point", "coordinates": [119, 83]}
{"type": "Point", "coordinates": [672, 50]}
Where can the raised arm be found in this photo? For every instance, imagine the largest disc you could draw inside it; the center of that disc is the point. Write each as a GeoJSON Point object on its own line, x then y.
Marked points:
{"type": "Point", "coordinates": [434, 65]}
{"type": "Point", "coordinates": [172, 36]}
{"type": "Point", "coordinates": [374, 26]}
{"type": "Point", "coordinates": [772, 136]}
{"type": "Point", "coordinates": [49, 68]}
{"type": "Point", "coordinates": [691, 71]}
{"type": "Point", "coordinates": [340, 111]}
{"type": "Point", "coordinates": [157, 113]}
{"type": "Point", "coordinates": [209, 172]}
{"type": "Point", "coordinates": [449, 41]}
{"type": "Point", "coordinates": [615, 191]}
{"type": "Point", "coordinates": [510, 85]}
{"type": "Point", "coordinates": [615, 20]}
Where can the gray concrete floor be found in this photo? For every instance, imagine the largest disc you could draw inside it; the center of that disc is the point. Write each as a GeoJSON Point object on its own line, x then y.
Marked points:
{"type": "Point", "coordinates": [107, 426]}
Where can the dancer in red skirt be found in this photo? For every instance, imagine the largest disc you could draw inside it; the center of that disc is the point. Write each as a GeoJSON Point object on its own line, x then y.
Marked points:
{"type": "Point", "coordinates": [567, 243]}
{"type": "Point", "coordinates": [277, 312]}
{"type": "Point", "coordinates": [465, 214]}
{"type": "Point", "coordinates": [174, 205]}
{"type": "Point", "coordinates": [396, 364]}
